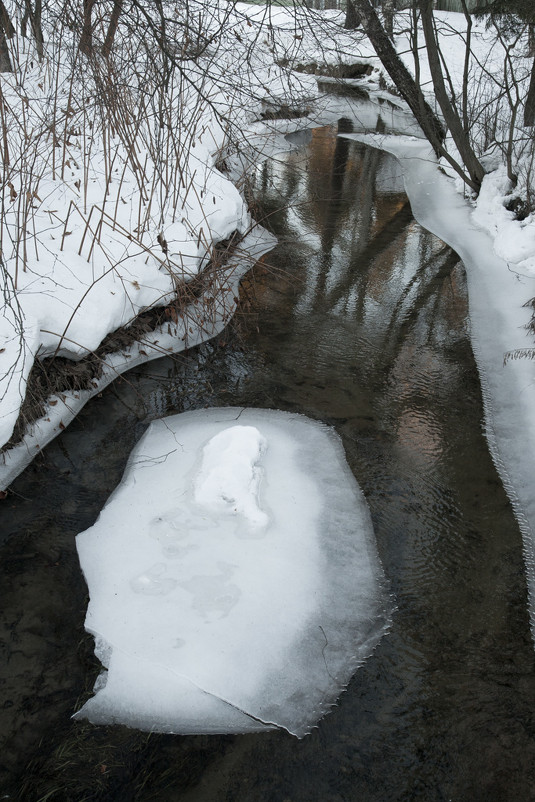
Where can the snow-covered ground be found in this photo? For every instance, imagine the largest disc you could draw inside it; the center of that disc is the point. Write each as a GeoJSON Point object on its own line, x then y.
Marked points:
{"type": "Point", "coordinates": [107, 213]}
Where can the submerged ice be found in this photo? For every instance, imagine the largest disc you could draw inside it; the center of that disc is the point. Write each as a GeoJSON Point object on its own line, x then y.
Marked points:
{"type": "Point", "coordinates": [233, 579]}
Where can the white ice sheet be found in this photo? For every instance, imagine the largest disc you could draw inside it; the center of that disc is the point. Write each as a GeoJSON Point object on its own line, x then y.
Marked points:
{"type": "Point", "coordinates": [233, 578]}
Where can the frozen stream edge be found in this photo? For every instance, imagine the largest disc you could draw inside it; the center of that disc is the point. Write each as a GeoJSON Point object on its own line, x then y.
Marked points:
{"type": "Point", "coordinates": [498, 320]}
{"type": "Point", "coordinates": [188, 332]}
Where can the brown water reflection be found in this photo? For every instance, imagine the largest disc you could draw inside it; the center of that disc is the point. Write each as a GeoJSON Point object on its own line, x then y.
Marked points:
{"type": "Point", "coordinates": [359, 320]}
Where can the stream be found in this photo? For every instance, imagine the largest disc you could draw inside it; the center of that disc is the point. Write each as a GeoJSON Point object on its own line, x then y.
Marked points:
{"type": "Point", "coordinates": [359, 319]}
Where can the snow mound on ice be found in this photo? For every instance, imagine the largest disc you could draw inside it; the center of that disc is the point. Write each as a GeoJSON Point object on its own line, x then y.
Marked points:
{"type": "Point", "coordinates": [229, 475]}
{"type": "Point", "coordinates": [233, 578]}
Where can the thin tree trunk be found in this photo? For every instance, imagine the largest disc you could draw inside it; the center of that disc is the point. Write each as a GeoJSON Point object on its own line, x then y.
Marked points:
{"type": "Point", "coordinates": [5, 22]}
{"type": "Point", "coordinates": [6, 32]}
{"type": "Point", "coordinates": [400, 75]}
{"type": "Point", "coordinates": [352, 20]}
{"type": "Point", "coordinates": [531, 39]}
{"type": "Point", "coordinates": [86, 38]}
{"type": "Point", "coordinates": [37, 27]}
{"type": "Point", "coordinates": [451, 116]}
{"type": "Point", "coordinates": [112, 28]}
{"type": "Point", "coordinates": [529, 108]}
{"type": "Point", "coordinates": [5, 61]}
{"type": "Point", "coordinates": [466, 69]}
{"type": "Point", "coordinates": [389, 6]}
{"type": "Point", "coordinates": [34, 15]}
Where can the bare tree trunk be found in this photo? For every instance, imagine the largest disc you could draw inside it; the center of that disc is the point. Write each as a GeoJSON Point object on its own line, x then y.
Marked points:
{"type": "Point", "coordinates": [529, 108]}
{"type": "Point", "coordinates": [400, 75]}
{"type": "Point", "coordinates": [466, 68]}
{"type": "Point", "coordinates": [6, 32]}
{"type": "Point", "coordinates": [389, 6]}
{"type": "Point", "coordinates": [34, 15]}
{"type": "Point", "coordinates": [5, 22]}
{"type": "Point", "coordinates": [86, 38]}
{"type": "Point", "coordinates": [531, 39]}
{"type": "Point", "coordinates": [451, 116]}
{"type": "Point", "coordinates": [5, 61]}
{"type": "Point", "coordinates": [352, 20]}
{"type": "Point", "coordinates": [37, 27]}
{"type": "Point", "coordinates": [112, 28]}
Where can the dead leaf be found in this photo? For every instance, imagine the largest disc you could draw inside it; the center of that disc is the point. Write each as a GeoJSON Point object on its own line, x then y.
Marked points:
{"type": "Point", "coordinates": [162, 242]}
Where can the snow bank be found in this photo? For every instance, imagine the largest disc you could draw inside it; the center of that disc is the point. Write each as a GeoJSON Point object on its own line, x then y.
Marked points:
{"type": "Point", "coordinates": [498, 318]}
{"type": "Point", "coordinates": [514, 240]}
{"type": "Point", "coordinates": [106, 218]}
{"type": "Point", "coordinates": [18, 344]}
{"type": "Point", "coordinates": [498, 75]}
{"type": "Point", "coordinates": [199, 323]}
{"type": "Point", "coordinates": [234, 583]}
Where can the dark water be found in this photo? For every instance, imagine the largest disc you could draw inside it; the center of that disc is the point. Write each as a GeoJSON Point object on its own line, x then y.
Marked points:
{"type": "Point", "coordinates": [358, 318]}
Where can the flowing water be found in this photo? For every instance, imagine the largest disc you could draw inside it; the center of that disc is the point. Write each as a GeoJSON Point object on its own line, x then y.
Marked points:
{"type": "Point", "coordinates": [359, 319]}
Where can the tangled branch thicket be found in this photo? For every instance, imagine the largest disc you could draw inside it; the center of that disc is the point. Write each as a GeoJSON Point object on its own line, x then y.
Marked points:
{"type": "Point", "coordinates": [113, 115]}
{"type": "Point", "coordinates": [490, 95]}
{"type": "Point", "coordinates": [124, 116]}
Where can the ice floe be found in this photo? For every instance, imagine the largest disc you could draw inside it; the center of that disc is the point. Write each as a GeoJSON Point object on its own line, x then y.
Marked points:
{"type": "Point", "coordinates": [233, 577]}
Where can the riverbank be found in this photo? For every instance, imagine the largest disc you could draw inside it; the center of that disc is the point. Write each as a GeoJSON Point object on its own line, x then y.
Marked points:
{"type": "Point", "coordinates": [500, 327]}
{"type": "Point", "coordinates": [114, 216]}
